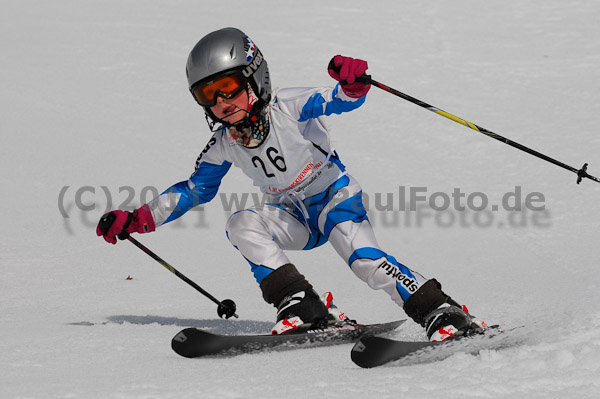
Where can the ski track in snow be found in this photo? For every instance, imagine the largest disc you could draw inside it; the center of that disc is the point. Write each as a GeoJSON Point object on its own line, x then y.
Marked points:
{"type": "Point", "coordinates": [94, 101]}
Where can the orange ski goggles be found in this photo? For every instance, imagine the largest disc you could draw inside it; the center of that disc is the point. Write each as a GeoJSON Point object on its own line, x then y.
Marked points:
{"type": "Point", "coordinates": [227, 86]}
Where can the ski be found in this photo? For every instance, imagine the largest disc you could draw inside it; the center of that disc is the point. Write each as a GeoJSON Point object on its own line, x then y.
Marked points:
{"type": "Point", "coordinates": [195, 342]}
{"type": "Point", "coordinates": [376, 351]}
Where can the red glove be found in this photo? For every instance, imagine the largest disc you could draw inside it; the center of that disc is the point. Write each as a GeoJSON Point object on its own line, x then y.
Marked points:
{"type": "Point", "coordinates": [122, 223]}
{"type": "Point", "coordinates": [346, 70]}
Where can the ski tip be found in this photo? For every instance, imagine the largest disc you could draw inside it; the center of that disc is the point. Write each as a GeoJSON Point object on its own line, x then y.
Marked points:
{"type": "Point", "coordinates": [182, 342]}
{"type": "Point", "coordinates": [179, 340]}
{"type": "Point", "coordinates": [359, 354]}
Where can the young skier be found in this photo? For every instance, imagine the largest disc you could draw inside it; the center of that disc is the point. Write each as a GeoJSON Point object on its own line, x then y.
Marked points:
{"type": "Point", "coordinates": [278, 139]}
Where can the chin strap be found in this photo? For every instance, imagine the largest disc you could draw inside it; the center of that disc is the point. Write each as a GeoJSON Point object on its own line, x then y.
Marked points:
{"type": "Point", "coordinates": [256, 107]}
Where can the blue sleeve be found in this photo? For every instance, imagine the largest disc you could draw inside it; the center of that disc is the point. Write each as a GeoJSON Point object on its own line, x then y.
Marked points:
{"type": "Point", "coordinates": [319, 105]}
{"type": "Point", "coordinates": [200, 188]}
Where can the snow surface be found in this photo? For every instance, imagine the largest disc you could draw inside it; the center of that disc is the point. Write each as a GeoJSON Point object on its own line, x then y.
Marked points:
{"type": "Point", "coordinates": [94, 102]}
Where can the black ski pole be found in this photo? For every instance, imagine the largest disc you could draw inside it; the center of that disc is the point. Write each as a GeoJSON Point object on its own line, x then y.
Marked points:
{"type": "Point", "coordinates": [226, 308]}
{"type": "Point", "coordinates": [581, 173]}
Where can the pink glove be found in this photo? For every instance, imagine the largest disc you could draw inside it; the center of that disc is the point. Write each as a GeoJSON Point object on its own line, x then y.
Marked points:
{"type": "Point", "coordinates": [121, 223]}
{"type": "Point", "coordinates": [346, 70]}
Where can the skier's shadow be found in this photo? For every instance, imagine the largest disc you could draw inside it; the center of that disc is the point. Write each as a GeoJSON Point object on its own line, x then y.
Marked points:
{"type": "Point", "coordinates": [231, 326]}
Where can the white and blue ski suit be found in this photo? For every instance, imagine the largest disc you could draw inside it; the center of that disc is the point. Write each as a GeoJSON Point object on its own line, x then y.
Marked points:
{"type": "Point", "coordinates": [311, 197]}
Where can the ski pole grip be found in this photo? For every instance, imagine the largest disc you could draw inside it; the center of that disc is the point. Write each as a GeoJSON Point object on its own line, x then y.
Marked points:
{"type": "Point", "coordinates": [123, 235]}
{"type": "Point", "coordinates": [109, 218]}
{"type": "Point", "coordinates": [106, 221]}
{"type": "Point", "coordinates": [364, 78]}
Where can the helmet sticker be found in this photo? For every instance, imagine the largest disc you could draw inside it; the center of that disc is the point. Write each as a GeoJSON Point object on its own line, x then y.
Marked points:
{"type": "Point", "coordinates": [249, 48]}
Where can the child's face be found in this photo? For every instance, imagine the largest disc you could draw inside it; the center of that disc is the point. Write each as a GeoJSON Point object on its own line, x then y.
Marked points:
{"type": "Point", "coordinates": [231, 110]}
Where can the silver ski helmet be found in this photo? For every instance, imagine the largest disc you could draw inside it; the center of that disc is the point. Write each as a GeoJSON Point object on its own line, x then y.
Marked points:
{"type": "Point", "coordinates": [229, 51]}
